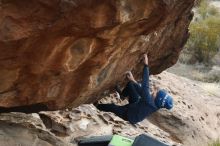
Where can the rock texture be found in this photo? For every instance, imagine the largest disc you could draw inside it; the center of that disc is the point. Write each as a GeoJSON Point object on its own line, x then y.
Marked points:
{"type": "Point", "coordinates": [19, 129]}
{"type": "Point", "coordinates": [194, 120]}
{"type": "Point", "coordinates": [63, 53]}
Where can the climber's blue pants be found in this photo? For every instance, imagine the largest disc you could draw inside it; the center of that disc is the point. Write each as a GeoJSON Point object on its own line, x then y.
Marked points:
{"type": "Point", "coordinates": [132, 91]}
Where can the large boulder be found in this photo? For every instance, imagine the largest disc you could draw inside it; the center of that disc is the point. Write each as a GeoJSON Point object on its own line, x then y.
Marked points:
{"type": "Point", "coordinates": [63, 53]}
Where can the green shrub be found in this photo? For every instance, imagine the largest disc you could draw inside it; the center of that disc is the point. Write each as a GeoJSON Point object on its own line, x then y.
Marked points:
{"type": "Point", "coordinates": [205, 9]}
{"type": "Point", "coordinates": [204, 41]}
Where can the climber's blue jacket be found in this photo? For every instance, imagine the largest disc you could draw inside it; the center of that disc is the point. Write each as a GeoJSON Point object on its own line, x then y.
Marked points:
{"type": "Point", "coordinates": [145, 106]}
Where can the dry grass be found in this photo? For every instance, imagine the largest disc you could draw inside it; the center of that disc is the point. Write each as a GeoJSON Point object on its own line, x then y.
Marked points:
{"type": "Point", "coordinates": [208, 78]}
{"type": "Point", "coordinates": [197, 72]}
{"type": "Point", "coordinates": [216, 143]}
{"type": "Point", "coordinates": [212, 88]}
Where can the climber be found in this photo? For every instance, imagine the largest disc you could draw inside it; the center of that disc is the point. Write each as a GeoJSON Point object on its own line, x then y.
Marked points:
{"type": "Point", "coordinates": [141, 103]}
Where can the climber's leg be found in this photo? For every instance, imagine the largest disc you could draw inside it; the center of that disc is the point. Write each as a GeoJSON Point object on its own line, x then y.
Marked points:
{"type": "Point", "coordinates": [132, 90]}
{"type": "Point", "coordinates": [120, 111]}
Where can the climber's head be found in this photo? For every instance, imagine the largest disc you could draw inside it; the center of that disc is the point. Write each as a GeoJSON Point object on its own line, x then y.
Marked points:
{"type": "Point", "coordinates": [163, 100]}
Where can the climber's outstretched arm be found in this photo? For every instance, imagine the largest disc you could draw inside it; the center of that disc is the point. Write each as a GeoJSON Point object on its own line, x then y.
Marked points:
{"type": "Point", "coordinates": [145, 79]}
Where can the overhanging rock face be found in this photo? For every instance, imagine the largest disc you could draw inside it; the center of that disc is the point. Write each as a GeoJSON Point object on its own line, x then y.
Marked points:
{"type": "Point", "coordinates": [62, 53]}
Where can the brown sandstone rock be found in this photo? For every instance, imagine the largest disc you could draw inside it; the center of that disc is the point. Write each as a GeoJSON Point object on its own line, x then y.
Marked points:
{"type": "Point", "coordinates": [19, 129]}
{"type": "Point", "coordinates": [63, 53]}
